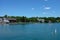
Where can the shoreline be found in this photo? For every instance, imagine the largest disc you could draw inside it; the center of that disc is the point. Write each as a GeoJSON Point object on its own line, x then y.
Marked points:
{"type": "Point", "coordinates": [25, 22]}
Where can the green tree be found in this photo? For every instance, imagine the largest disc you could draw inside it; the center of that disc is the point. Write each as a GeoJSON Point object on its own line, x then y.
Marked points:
{"type": "Point", "coordinates": [5, 16]}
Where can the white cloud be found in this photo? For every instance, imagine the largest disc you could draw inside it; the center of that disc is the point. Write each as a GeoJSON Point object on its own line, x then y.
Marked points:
{"type": "Point", "coordinates": [45, 0]}
{"type": "Point", "coordinates": [47, 8]}
{"type": "Point", "coordinates": [33, 8]}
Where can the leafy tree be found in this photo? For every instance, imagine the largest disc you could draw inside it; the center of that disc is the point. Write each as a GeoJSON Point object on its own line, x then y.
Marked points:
{"type": "Point", "coordinates": [5, 16]}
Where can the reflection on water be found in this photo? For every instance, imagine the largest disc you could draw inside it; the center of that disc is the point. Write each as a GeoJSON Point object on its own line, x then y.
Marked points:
{"type": "Point", "coordinates": [39, 31]}
{"type": "Point", "coordinates": [55, 31]}
{"type": "Point", "coordinates": [4, 28]}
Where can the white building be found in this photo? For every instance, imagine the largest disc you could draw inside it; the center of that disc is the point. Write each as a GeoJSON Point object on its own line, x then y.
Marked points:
{"type": "Point", "coordinates": [5, 20]}
{"type": "Point", "coordinates": [41, 20]}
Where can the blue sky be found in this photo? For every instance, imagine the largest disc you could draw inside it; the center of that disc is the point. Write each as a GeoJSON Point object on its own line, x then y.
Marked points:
{"type": "Point", "coordinates": [30, 8]}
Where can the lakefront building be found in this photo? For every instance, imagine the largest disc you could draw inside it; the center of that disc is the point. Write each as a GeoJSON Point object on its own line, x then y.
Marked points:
{"type": "Point", "coordinates": [7, 20]}
{"type": "Point", "coordinates": [41, 20]}
{"type": "Point", "coordinates": [0, 20]}
{"type": "Point", "coordinates": [12, 20]}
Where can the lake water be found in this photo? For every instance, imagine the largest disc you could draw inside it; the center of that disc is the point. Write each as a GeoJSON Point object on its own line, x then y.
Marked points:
{"type": "Point", "coordinates": [30, 31]}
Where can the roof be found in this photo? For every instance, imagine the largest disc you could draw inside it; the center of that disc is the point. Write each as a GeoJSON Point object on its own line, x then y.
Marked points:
{"type": "Point", "coordinates": [8, 18]}
{"type": "Point", "coordinates": [11, 18]}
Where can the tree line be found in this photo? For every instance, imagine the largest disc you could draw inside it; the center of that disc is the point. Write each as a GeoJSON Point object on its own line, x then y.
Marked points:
{"type": "Point", "coordinates": [34, 19]}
